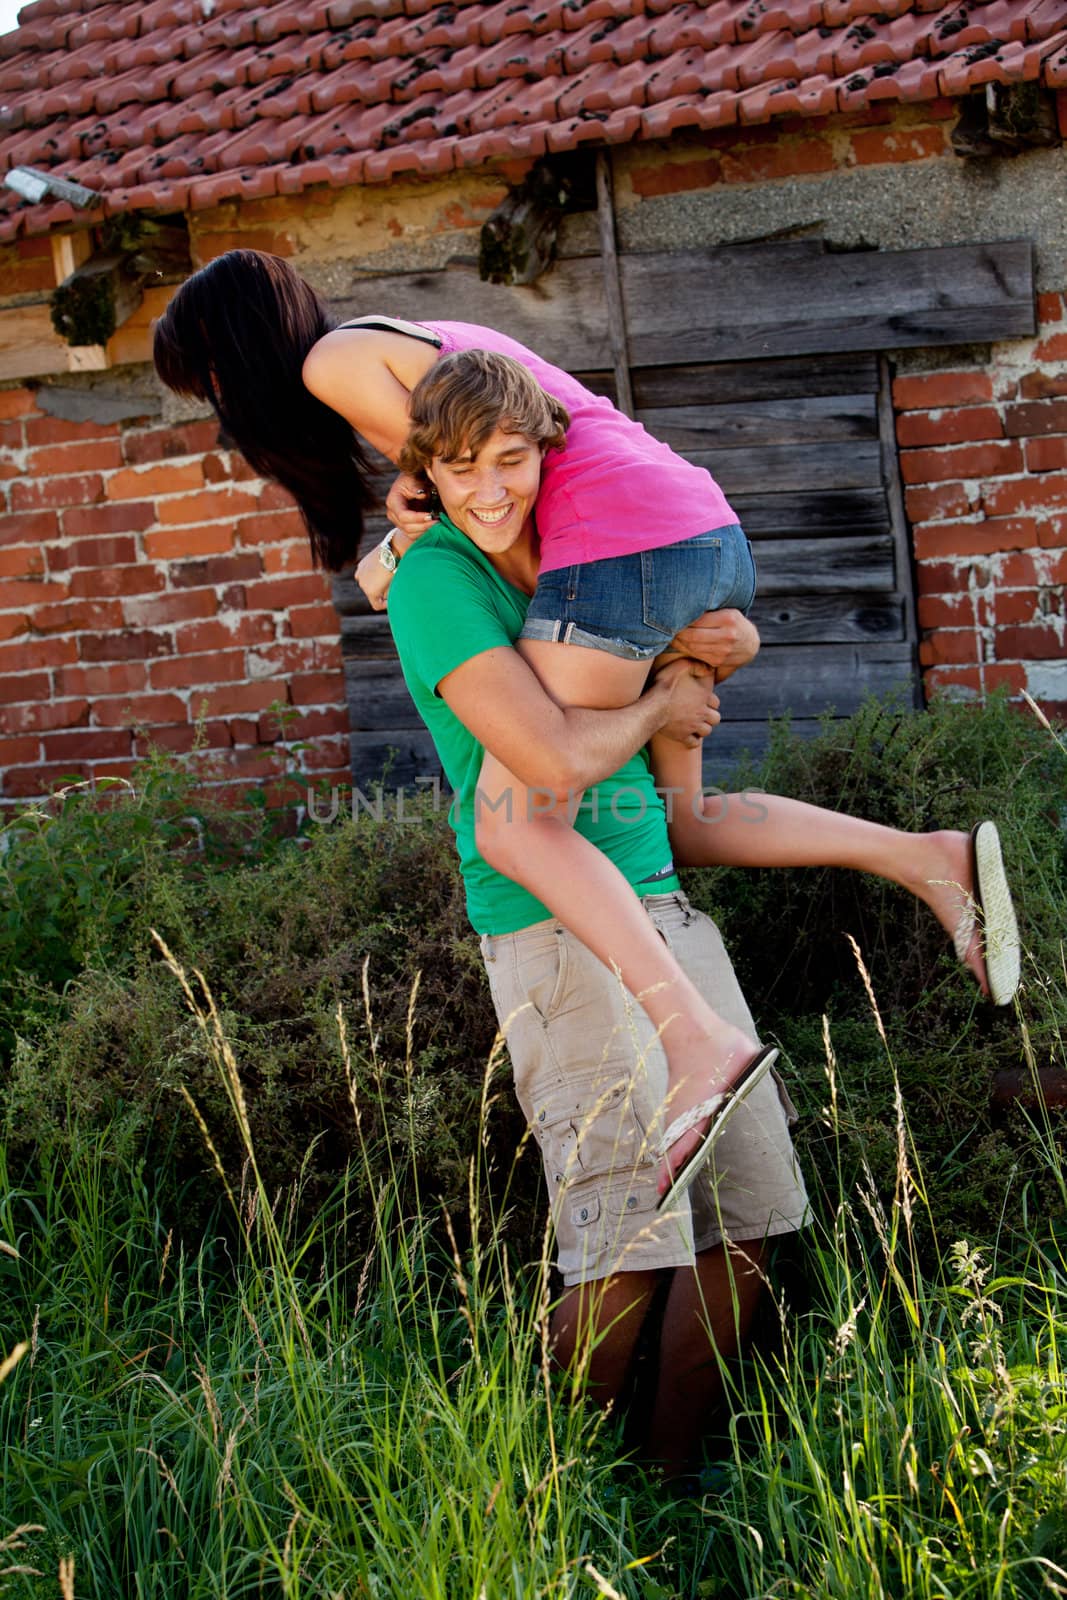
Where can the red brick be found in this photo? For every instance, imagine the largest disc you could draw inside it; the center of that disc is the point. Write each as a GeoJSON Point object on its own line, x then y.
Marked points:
{"type": "Point", "coordinates": [211, 504]}
{"type": "Point", "coordinates": [117, 551]}
{"type": "Point", "coordinates": [1038, 643]}
{"type": "Point", "coordinates": [56, 492]}
{"type": "Point", "coordinates": [121, 677]}
{"type": "Point", "coordinates": [87, 745]}
{"type": "Point", "coordinates": [783, 160]}
{"type": "Point", "coordinates": [951, 647]}
{"type": "Point", "coordinates": [29, 527]}
{"type": "Point", "coordinates": [239, 698]}
{"type": "Point", "coordinates": [1023, 494]}
{"type": "Point", "coordinates": [876, 148]}
{"type": "Point", "coordinates": [41, 718]}
{"type": "Point", "coordinates": [15, 594]}
{"type": "Point", "coordinates": [941, 679]}
{"type": "Point", "coordinates": [173, 544]}
{"type": "Point", "coordinates": [941, 577]}
{"type": "Point", "coordinates": [1047, 455]}
{"type": "Point", "coordinates": [1052, 532]}
{"type": "Point", "coordinates": [309, 622]}
{"type": "Point", "coordinates": [221, 569]}
{"type": "Point", "coordinates": [1020, 571]}
{"type": "Point", "coordinates": [55, 430]}
{"type": "Point", "coordinates": [17, 402]}
{"type": "Point", "coordinates": [1043, 386]}
{"type": "Point", "coordinates": [28, 655]}
{"type": "Point", "coordinates": [97, 455]}
{"type": "Point", "coordinates": [98, 582]}
{"type": "Point", "coordinates": [946, 611]}
{"type": "Point", "coordinates": [1015, 605]}
{"type": "Point", "coordinates": [317, 689]}
{"type": "Point", "coordinates": [199, 671]}
{"type": "Point", "coordinates": [73, 616]}
{"type": "Point", "coordinates": [272, 497]}
{"type": "Point", "coordinates": [25, 782]}
{"type": "Point", "coordinates": [947, 500]}
{"type": "Point", "coordinates": [1053, 348]}
{"type": "Point", "coordinates": [242, 630]}
{"type": "Point", "coordinates": [243, 730]}
{"type": "Point", "coordinates": [974, 538]}
{"type": "Point", "coordinates": [674, 177]}
{"type": "Point", "coordinates": [22, 561]}
{"type": "Point", "coordinates": [934, 390]}
{"type": "Point", "coordinates": [329, 756]}
{"type": "Point", "coordinates": [310, 725]}
{"type": "Point", "coordinates": [277, 594]}
{"type": "Point", "coordinates": [1036, 418]}
{"type": "Point", "coordinates": [161, 444]}
{"type": "Point", "coordinates": [1049, 308]}
{"type": "Point", "coordinates": [15, 752]}
{"type": "Point", "coordinates": [967, 461]}
{"type": "Point", "coordinates": [266, 527]}
{"type": "Point", "coordinates": [129, 516]}
{"type": "Point", "coordinates": [124, 646]}
{"type": "Point", "coordinates": [288, 558]}
{"type": "Point", "coordinates": [136, 483]}
{"type": "Point", "coordinates": [189, 605]}
{"type": "Point", "coordinates": [949, 427]}
{"type": "Point", "coordinates": [181, 739]}
{"type": "Point", "coordinates": [13, 623]}
{"type": "Point", "coordinates": [25, 686]}
{"type": "Point", "coordinates": [257, 764]}
{"type": "Point", "coordinates": [144, 709]}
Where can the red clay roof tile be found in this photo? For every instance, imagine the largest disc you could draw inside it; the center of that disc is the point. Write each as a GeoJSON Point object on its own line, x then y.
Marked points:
{"type": "Point", "coordinates": [187, 102]}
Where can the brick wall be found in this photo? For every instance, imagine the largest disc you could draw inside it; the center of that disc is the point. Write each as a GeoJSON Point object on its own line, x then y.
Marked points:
{"type": "Point", "coordinates": [983, 455]}
{"type": "Point", "coordinates": [148, 581]}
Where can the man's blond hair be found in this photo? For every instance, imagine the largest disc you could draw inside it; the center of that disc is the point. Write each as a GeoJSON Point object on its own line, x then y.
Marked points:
{"type": "Point", "coordinates": [465, 397]}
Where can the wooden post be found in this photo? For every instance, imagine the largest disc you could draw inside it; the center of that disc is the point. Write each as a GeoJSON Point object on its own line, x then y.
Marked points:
{"type": "Point", "coordinates": [605, 207]}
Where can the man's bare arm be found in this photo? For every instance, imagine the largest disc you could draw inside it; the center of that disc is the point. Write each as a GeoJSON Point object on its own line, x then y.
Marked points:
{"type": "Point", "coordinates": [564, 749]}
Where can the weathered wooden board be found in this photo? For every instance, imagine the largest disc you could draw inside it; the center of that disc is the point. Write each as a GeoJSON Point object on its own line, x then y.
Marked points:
{"type": "Point", "coordinates": [399, 757]}
{"type": "Point", "coordinates": [688, 306]}
{"type": "Point", "coordinates": [561, 316]}
{"type": "Point", "coordinates": [737, 737]}
{"type": "Point", "coordinates": [860, 564]}
{"type": "Point", "coordinates": [806, 679]}
{"type": "Point", "coordinates": [819, 515]}
{"type": "Point", "coordinates": [734, 304]}
{"type": "Point", "coordinates": [787, 468]}
{"type": "Point", "coordinates": [731, 382]}
{"type": "Point", "coordinates": [828, 618]}
{"type": "Point", "coordinates": [378, 697]}
{"type": "Point", "coordinates": [817, 419]}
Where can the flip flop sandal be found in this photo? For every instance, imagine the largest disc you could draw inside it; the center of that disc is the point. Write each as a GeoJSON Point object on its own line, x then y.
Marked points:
{"type": "Point", "coordinates": [720, 1108]}
{"type": "Point", "coordinates": [992, 905]}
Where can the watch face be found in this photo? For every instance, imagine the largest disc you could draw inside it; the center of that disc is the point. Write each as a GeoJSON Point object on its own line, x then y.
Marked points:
{"type": "Point", "coordinates": [387, 557]}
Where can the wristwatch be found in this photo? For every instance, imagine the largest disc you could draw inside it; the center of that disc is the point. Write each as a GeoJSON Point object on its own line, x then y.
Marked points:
{"type": "Point", "coordinates": [386, 554]}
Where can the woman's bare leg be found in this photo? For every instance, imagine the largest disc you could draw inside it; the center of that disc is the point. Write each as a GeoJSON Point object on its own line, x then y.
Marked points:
{"type": "Point", "coordinates": [590, 896]}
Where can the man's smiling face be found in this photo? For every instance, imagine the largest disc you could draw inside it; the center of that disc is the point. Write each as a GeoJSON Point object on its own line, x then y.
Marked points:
{"type": "Point", "coordinates": [490, 495]}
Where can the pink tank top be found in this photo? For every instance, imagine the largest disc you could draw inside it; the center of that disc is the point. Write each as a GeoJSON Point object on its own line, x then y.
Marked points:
{"type": "Point", "coordinates": [614, 489]}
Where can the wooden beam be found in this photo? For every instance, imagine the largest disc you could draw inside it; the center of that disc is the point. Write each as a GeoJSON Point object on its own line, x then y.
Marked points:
{"type": "Point", "coordinates": [609, 262]}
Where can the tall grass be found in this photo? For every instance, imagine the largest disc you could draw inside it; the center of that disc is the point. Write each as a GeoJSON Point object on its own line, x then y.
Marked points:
{"type": "Point", "coordinates": [263, 1416]}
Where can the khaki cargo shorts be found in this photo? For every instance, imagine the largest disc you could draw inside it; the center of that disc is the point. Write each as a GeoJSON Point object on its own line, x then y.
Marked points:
{"type": "Point", "coordinates": [591, 1077]}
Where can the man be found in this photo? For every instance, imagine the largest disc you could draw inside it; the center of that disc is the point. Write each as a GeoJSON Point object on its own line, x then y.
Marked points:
{"type": "Point", "coordinates": [589, 1072]}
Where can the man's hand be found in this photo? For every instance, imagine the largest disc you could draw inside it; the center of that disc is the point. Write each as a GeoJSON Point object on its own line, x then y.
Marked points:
{"type": "Point", "coordinates": [724, 640]}
{"type": "Point", "coordinates": [407, 505]}
{"type": "Point", "coordinates": [692, 706]}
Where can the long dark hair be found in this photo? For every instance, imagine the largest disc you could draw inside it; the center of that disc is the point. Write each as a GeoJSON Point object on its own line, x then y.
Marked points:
{"type": "Point", "coordinates": [236, 334]}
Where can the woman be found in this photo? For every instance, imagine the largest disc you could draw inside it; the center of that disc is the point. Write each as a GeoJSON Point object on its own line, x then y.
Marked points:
{"type": "Point", "coordinates": [293, 392]}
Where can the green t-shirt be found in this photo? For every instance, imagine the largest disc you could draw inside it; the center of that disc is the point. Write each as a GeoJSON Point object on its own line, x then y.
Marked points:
{"type": "Point", "coordinates": [448, 603]}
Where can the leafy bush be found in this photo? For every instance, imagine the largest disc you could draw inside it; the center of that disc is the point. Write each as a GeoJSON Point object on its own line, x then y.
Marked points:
{"type": "Point", "coordinates": [288, 930]}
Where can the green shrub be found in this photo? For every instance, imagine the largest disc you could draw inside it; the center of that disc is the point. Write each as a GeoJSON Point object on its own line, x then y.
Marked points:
{"type": "Point", "coordinates": [287, 930]}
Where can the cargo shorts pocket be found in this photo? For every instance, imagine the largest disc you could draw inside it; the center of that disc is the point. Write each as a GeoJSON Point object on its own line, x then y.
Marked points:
{"type": "Point", "coordinates": [587, 1129]}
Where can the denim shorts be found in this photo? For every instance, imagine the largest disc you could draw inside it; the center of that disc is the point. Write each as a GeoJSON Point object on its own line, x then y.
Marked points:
{"type": "Point", "coordinates": [632, 606]}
